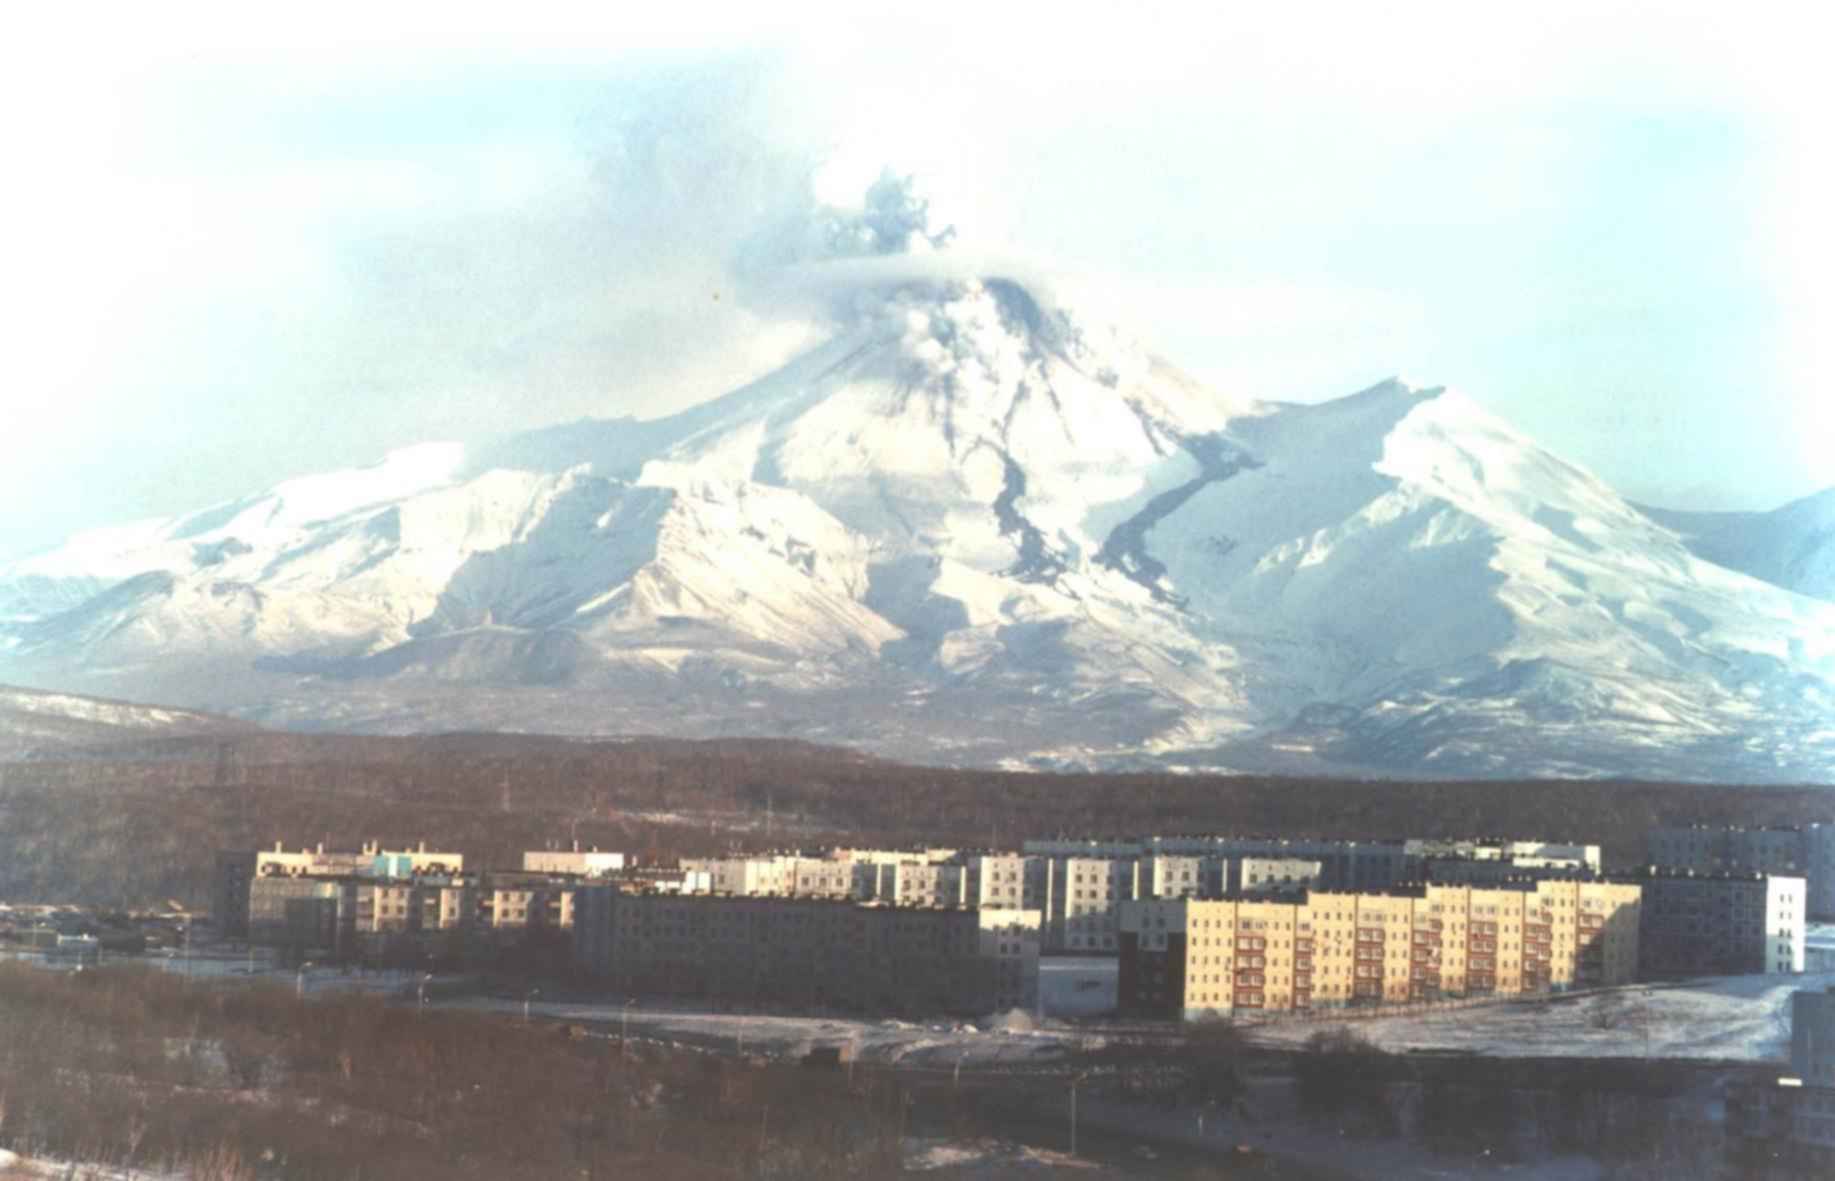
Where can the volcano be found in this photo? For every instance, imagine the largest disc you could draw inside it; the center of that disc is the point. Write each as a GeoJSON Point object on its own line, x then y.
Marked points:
{"type": "Point", "coordinates": [975, 528]}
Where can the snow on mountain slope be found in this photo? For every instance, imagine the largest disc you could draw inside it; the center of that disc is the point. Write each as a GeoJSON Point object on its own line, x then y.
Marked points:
{"type": "Point", "coordinates": [972, 528]}
{"type": "Point", "coordinates": [1792, 547]}
{"type": "Point", "coordinates": [33, 722]}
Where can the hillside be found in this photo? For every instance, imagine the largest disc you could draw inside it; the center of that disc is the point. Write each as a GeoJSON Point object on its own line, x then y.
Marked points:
{"type": "Point", "coordinates": [36, 724]}
{"type": "Point", "coordinates": [145, 827]}
{"type": "Point", "coordinates": [1792, 547]}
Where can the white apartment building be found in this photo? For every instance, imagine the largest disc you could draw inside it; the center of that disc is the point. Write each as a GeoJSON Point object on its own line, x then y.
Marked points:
{"type": "Point", "coordinates": [1010, 880]}
{"type": "Point", "coordinates": [1085, 892]}
{"type": "Point", "coordinates": [929, 884]}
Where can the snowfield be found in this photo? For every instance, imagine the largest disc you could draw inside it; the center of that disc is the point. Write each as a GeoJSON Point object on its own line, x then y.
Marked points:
{"type": "Point", "coordinates": [1732, 1018]}
{"type": "Point", "coordinates": [974, 528]}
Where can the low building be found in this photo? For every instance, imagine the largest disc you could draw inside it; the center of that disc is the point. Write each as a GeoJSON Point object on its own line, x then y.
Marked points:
{"type": "Point", "coordinates": [1721, 924]}
{"type": "Point", "coordinates": [1526, 853]}
{"type": "Point", "coordinates": [810, 952]}
{"type": "Point", "coordinates": [578, 862]}
{"type": "Point", "coordinates": [1184, 958]}
{"type": "Point", "coordinates": [1273, 875]}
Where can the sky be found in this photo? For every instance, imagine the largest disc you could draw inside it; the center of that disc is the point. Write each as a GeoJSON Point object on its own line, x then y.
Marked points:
{"type": "Point", "coordinates": [240, 248]}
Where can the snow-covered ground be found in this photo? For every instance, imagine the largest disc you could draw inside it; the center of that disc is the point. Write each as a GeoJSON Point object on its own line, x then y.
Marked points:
{"type": "Point", "coordinates": [14, 1167]}
{"type": "Point", "coordinates": [1819, 947]}
{"type": "Point", "coordinates": [1738, 1018]}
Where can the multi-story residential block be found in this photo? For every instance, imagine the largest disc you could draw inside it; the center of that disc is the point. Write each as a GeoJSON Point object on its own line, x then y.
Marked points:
{"type": "Point", "coordinates": [350, 914]}
{"type": "Point", "coordinates": [929, 884]}
{"type": "Point", "coordinates": [1722, 924]}
{"type": "Point", "coordinates": [1171, 875]}
{"type": "Point", "coordinates": [1186, 957]}
{"type": "Point", "coordinates": [1011, 881]}
{"type": "Point", "coordinates": [236, 870]}
{"type": "Point", "coordinates": [1343, 864]}
{"type": "Point", "coordinates": [1084, 895]}
{"type": "Point", "coordinates": [817, 952]}
{"type": "Point", "coordinates": [1807, 851]}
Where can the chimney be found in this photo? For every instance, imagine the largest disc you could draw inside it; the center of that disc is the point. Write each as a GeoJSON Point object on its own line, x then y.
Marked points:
{"type": "Point", "coordinates": [321, 848]}
{"type": "Point", "coordinates": [576, 846]}
{"type": "Point", "coordinates": [279, 847]}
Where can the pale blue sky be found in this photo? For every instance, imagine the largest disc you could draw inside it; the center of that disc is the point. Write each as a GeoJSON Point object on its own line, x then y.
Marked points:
{"type": "Point", "coordinates": [247, 251]}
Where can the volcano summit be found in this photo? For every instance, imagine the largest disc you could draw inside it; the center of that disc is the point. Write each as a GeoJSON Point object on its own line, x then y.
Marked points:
{"type": "Point", "coordinates": [973, 528]}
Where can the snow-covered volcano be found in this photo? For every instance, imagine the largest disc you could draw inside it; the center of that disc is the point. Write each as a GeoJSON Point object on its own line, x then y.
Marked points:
{"type": "Point", "coordinates": [972, 528]}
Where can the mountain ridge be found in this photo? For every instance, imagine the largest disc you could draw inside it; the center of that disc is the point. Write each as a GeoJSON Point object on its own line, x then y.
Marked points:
{"type": "Point", "coordinates": [973, 528]}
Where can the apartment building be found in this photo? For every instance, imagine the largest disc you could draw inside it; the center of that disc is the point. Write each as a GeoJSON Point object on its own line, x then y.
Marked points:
{"type": "Point", "coordinates": [813, 952]}
{"type": "Point", "coordinates": [1010, 881]}
{"type": "Point", "coordinates": [1806, 851]}
{"type": "Point", "coordinates": [1182, 958]}
{"type": "Point", "coordinates": [1169, 875]}
{"type": "Point", "coordinates": [349, 914]}
{"type": "Point", "coordinates": [236, 870]}
{"type": "Point", "coordinates": [1084, 895]}
{"type": "Point", "coordinates": [1343, 864]}
{"type": "Point", "coordinates": [1722, 924]}
{"type": "Point", "coordinates": [929, 884]}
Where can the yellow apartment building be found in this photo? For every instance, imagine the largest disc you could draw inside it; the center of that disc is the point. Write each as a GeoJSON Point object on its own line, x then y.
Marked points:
{"type": "Point", "coordinates": [1185, 957]}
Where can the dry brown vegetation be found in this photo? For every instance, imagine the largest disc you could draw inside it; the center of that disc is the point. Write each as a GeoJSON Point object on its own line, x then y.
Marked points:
{"type": "Point", "coordinates": [132, 1068]}
{"type": "Point", "coordinates": [138, 823]}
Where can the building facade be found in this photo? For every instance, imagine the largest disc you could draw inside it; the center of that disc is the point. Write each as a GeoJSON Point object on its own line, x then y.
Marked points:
{"type": "Point", "coordinates": [1806, 851]}
{"type": "Point", "coordinates": [237, 870]}
{"type": "Point", "coordinates": [1183, 958]}
{"type": "Point", "coordinates": [586, 863]}
{"type": "Point", "coordinates": [1722, 924]}
{"type": "Point", "coordinates": [810, 952]}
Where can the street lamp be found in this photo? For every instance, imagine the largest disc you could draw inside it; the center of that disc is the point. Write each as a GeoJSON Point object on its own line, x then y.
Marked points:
{"type": "Point", "coordinates": [526, 998]}
{"type": "Point", "coordinates": [422, 1009]}
{"type": "Point", "coordinates": [624, 1026]}
{"type": "Point", "coordinates": [299, 979]}
{"type": "Point", "coordinates": [1075, 1079]}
